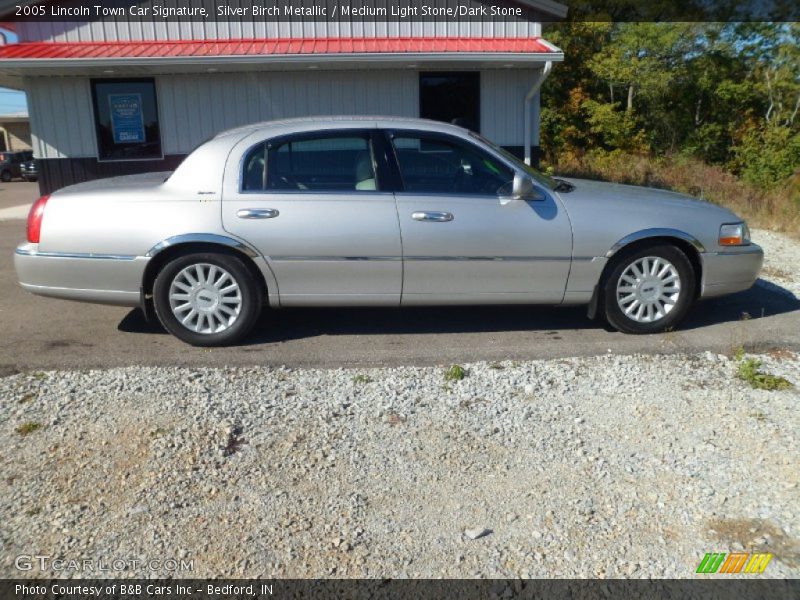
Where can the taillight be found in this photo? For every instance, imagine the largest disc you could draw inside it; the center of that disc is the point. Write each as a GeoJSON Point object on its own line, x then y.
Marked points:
{"type": "Point", "coordinates": [35, 219]}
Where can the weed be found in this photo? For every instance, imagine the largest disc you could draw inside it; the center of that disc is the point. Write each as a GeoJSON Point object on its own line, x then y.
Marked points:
{"type": "Point", "coordinates": [758, 415]}
{"type": "Point", "coordinates": [455, 373]}
{"type": "Point", "coordinates": [28, 427]}
{"type": "Point", "coordinates": [496, 366]}
{"type": "Point", "coordinates": [26, 398]}
{"type": "Point", "coordinates": [362, 379]}
{"type": "Point", "coordinates": [750, 371]}
{"type": "Point", "coordinates": [395, 419]}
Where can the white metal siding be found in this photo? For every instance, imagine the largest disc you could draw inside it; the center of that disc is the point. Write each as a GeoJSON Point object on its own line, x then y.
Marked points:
{"type": "Point", "coordinates": [502, 98]}
{"type": "Point", "coordinates": [193, 107]}
{"type": "Point", "coordinates": [109, 31]}
{"type": "Point", "coordinates": [62, 118]}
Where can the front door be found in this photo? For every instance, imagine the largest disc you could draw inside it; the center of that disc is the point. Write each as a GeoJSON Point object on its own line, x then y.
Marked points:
{"type": "Point", "coordinates": [463, 240]}
{"type": "Point", "coordinates": [312, 204]}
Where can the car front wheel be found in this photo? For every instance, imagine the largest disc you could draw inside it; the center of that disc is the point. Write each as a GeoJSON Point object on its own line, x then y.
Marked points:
{"type": "Point", "coordinates": [207, 299]}
{"type": "Point", "coordinates": [649, 290]}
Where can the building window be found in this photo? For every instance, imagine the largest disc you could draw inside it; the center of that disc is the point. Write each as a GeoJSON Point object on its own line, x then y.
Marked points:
{"type": "Point", "coordinates": [126, 119]}
{"type": "Point", "coordinates": [452, 97]}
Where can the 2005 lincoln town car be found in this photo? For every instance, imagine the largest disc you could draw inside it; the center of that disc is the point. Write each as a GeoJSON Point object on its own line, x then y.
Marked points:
{"type": "Point", "coordinates": [381, 212]}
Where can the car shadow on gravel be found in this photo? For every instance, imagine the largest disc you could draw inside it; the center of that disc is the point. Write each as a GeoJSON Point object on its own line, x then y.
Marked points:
{"type": "Point", "coordinates": [762, 300]}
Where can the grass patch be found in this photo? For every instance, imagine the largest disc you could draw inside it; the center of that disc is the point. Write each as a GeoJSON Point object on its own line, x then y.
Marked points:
{"type": "Point", "coordinates": [28, 428]}
{"type": "Point", "coordinates": [362, 379]}
{"type": "Point", "coordinates": [749, 370]}
{"type": "Point", "coordinates": [455, 373]}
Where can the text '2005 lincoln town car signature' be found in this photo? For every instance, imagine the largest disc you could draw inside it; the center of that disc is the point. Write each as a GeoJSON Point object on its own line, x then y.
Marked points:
{"type": "Point", "coordinates": [381, 212]}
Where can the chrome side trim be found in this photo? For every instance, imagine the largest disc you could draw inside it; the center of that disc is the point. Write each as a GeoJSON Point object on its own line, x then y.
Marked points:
{"type": "Point", "coordinates": [26, 252]}
{"type": "Point", "coordinates": [435, 258]}
{"type": "Point", "coordinates": [655, 232]}
{"type": "Point", "coordinates": [497, 258]}
{"type": "Point", "coordinates": [336, 258]}
{"type": "Point", "coordinates": [744, 249]}
{"type": "Point", "coordinates": [207, 238]}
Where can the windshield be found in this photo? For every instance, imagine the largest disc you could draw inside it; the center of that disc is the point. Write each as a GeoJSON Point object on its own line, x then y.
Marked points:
{"type": "Point", "coordinates": [537, 175]}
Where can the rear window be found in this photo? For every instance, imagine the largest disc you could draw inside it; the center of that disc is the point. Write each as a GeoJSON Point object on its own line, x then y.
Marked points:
{"type": "Point", "coordinates": [330, 162]}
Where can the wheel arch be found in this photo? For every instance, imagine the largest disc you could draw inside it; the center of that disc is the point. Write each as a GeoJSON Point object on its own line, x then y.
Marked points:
{"type": "Point", "coordinates": [173, 247]}
{"type": "Point", "coordinates": [688, 244]}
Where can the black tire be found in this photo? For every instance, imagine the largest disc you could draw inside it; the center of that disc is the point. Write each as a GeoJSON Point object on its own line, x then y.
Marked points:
{"type": "Point", "coordinates": [5, 176]}
{"type": "Point", "coordinates": [682, 300]}
{"type": "Point", "coordinates": [249, 290]}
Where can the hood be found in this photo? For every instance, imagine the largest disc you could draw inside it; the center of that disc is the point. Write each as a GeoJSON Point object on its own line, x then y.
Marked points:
{"type": "Point", "coordinates": [132, 183]}
{"type": "Point", "coordinates": [640, 199]}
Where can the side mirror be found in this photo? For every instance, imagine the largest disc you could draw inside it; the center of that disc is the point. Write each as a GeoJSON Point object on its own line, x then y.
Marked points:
{"type": "Point", "coordinates": [522, 188]}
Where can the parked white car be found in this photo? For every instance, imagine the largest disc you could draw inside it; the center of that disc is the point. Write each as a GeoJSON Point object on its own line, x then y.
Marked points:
{"type": "Point", "coordinates": [381, 212]}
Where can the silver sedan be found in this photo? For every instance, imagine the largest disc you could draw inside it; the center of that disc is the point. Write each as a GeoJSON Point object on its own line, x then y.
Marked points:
{"type": "Point", "coordinates": [375, 211]}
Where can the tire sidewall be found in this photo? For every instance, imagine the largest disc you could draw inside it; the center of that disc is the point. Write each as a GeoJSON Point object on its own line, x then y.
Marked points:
{"type": "Point", "coordinates": [251, 299]}
{"type": "Point", "coordinates": [614, 314]}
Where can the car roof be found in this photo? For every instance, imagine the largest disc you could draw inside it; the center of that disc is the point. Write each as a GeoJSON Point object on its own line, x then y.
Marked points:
{"type": "Point", "coordinates": [322, 122]}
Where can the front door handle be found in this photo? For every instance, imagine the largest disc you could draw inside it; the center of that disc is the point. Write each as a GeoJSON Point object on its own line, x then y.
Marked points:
{"type": "Point", "coordinates": [435, 216]}
{"type": "Point", "coordinates": [257, 213]}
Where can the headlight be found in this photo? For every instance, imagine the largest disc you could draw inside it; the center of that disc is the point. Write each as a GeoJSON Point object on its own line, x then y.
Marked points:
{"type": "Point", "coordinates": [734, 234]}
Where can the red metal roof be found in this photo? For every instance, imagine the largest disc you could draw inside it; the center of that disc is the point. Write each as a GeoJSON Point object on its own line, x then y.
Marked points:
{"type": "Point", "coordinates": [266, 47]}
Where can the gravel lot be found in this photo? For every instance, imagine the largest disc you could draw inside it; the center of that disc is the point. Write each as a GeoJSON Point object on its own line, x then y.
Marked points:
{"type": "Point", "coordinates": [608, 466]}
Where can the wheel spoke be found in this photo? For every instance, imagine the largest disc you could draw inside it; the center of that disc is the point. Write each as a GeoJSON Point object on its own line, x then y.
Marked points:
{"type": "Point", "coordinates": [227, 309]}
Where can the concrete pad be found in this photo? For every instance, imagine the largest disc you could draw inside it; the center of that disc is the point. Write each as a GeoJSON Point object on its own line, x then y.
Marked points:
{"type": "Point", "coordinates": [15, 212]}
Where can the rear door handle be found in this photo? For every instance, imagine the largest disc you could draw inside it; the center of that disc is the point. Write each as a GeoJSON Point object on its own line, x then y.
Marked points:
{"type": "Point", "coordinates": [257, 213]}
{"type": "Point", "coordinates": [435, 216]}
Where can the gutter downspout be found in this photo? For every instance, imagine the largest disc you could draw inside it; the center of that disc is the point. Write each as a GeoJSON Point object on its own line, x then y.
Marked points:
{"type": "Point", "coordinates": [548, 66]}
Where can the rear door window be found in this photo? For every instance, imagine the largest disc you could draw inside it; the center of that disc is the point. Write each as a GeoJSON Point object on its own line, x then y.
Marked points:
{"type": "Point", "coordinates": [330, 162]}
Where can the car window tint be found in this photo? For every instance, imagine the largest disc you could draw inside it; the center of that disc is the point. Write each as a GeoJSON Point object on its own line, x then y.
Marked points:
{"type": "Point", "coordinates": [444, 165]}
{"type": "Point", "coordinates": [329, 163]}
{"type": "Point", "coordinates": [254, 168]}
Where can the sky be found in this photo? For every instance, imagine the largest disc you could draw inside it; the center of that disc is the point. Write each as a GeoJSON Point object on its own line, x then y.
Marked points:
{"type": "Point", "coordinates": [12, 101]}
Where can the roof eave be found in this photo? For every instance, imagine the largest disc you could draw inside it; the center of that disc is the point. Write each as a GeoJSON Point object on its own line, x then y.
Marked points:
{"type": "Point", "coordinates": [32, 64]}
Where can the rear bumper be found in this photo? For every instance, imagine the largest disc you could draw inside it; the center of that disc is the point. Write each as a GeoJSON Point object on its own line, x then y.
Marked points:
{"type": "Point", "coordinates": [99, 278]}
{"type": "Point", "coordinates": [730, 271]}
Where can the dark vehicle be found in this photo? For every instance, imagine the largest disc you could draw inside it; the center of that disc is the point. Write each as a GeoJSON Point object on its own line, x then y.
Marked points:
{"type": "Point", "coordinates": [28, 171]}
{"type": "Point", "coordinates": [10, 163]}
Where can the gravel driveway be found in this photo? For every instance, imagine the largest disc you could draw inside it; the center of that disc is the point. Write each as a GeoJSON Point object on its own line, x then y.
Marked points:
{"type": "Point", "coordinates": [608, 466]}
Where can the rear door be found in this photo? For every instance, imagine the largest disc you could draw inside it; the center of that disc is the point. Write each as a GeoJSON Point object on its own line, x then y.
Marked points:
{"type": "Point", "coordinates": [464, 240]}
{"type": "Point", "coordinates": [314, 205]}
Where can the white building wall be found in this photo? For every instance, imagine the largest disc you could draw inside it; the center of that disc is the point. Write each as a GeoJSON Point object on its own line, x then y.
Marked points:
{"type": "Point", "coordinates": [502, 98]}
{"type": "Point", "coordinates": [112, 31]}
{"type": "Point", "coordinates": [185, 100]}
{"type": "Point", "coordinates": [62, 118]}
{"type": "Point", "coordinates": [193, 107]}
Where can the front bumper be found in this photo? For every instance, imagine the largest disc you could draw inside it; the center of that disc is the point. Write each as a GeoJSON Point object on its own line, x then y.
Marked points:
{"type": "Point", "coordinates": [99, 278]}
{"type": "Point", "coordinates": [730, 271]}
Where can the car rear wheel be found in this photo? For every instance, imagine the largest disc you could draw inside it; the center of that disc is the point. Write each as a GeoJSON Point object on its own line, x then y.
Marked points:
{"type": "Point", "coordinates": [649, 290]}
{"type": "Point", "coordinates": [5, 176]}
{"type": "Point", "coordinates": [207, 299]}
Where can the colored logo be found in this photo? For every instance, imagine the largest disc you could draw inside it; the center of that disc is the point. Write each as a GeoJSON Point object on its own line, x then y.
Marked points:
{"type": "Point", "coordinates": [735, 562]}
